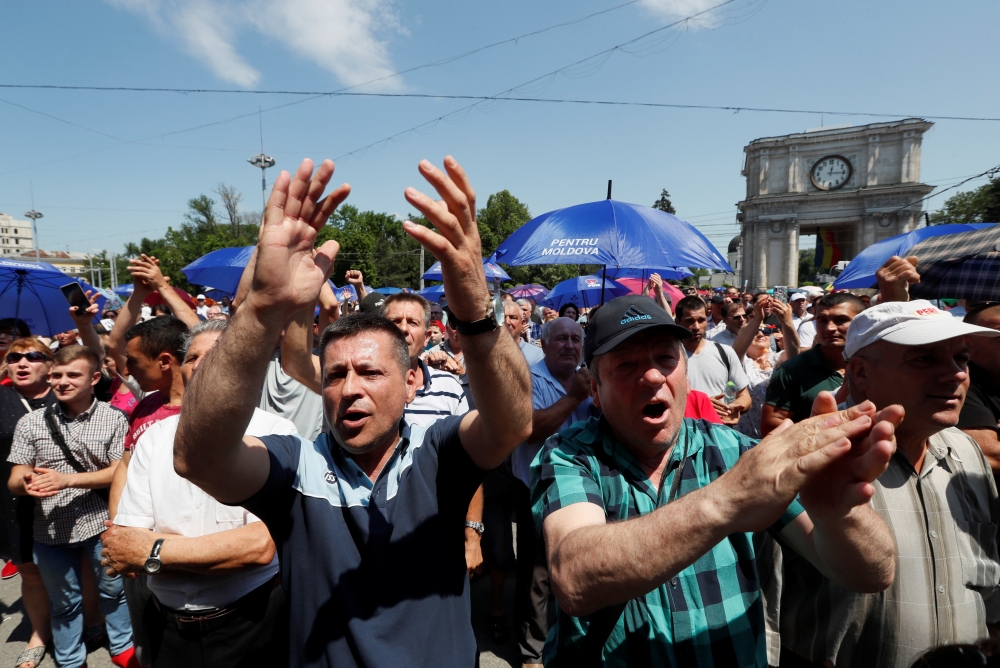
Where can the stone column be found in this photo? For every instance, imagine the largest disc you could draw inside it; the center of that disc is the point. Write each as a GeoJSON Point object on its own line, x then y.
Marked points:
{"type": "Point", "coordinates": [792, 253]}
{"type": "Point", "coordinates": [761, 269]}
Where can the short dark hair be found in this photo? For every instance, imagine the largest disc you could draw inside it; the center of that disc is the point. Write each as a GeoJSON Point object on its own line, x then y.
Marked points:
{"type": "Point", "coordinates": [837, 298]}
{"type": "Point", "coordinates": [562, 309]}
{"type": "Point", "coordinates": [409, 297]}
{"type": "Point", "coordinates": [689, 304]}
{"type": "Point", "coordinates": [160, 310]}
{"type": "Point", "coordinates": [17, 324]}
{"type": "Point", "coordinates": [160, 335]}
{"type": "Point", "coordinates": [975, 311]}
{"type": "Point", "coordinates": [72, 353]}
{"type": "Point", "coordinates": [357, 324]}
{"type": "Point", "coordinates": [727, 309]}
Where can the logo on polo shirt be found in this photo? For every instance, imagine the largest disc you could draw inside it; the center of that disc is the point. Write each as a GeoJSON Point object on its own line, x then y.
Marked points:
{"type": "Point", "coordinates": [330, 477]}
{"type": "Point", "coordinates": [633, 314]}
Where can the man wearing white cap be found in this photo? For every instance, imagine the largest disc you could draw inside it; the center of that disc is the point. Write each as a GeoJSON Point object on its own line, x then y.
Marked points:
{"type": "Point", "coordinates": [202, 308]}
{"type": "Point", "coordinates": [937, 495]}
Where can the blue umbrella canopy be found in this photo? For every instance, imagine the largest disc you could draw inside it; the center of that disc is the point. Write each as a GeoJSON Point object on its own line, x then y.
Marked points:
{"type": "Point", "coordinates": [30, 291]}
{"type": "Point", "coordinates": [611, 233]}
{"type": "Point", "coordinates": [666, 273]}
{"type": "Point", "coordinates": [125, 290]}
{"type": "Point", "coordinates": [391, 291]}
{"type": "Point", "coordinates": [220, 269]}
{"type": "Point", "coordinates": [433, 293]}
{"type": "Point", "coordinates": [490, 266]}
{"type": "Point", "coordinates": [860, 272]}
{"type": "Point", "coordinates": [583, 291]}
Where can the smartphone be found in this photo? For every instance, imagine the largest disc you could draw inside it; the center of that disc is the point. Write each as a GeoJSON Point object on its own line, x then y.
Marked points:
{"type": "Point", "coordinates": [75, 296]}
{"type": "Point", "coordinates": [781, 293]}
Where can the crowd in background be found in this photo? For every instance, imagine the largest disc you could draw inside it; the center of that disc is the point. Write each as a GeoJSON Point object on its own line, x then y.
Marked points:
{"type": "Point", "coordinates": [282, 479]}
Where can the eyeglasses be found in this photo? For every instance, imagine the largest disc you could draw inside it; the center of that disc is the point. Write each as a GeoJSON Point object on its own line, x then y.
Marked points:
{"type": "Point", "coordinates": [741, 316]}
{"type": "Point", "coordinates": [33, 356]}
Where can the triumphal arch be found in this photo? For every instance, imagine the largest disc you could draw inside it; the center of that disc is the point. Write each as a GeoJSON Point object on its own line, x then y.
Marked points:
{"type": "Point", "coordinates": [862, 183]}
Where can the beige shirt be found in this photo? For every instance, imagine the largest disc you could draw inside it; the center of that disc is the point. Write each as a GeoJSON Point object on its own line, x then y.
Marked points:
{"type": "Point", "coordinates": [945, 523]}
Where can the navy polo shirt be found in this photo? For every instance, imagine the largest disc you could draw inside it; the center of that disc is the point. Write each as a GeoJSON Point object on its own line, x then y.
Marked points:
{"type": "Point", "coordinates": [374, 572]}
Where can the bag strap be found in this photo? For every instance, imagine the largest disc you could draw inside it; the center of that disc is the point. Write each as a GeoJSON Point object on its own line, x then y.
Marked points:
{"type": "Point", "coordinates": [24, 401]}
{"type": "Point", "coordinates": [57, 436]}
{"type": "Point", "coordinates": [725, 359]}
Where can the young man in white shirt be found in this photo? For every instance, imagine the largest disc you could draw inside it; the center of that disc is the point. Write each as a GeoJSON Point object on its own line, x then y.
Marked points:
{"type": "Point", "coordinates": [212, 568]}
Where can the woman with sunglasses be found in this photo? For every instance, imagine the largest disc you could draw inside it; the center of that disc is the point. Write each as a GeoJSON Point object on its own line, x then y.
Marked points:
{"type": "Point", "coordinates": [10, 329]}
{"type": "Point", "coordinates": [753, 347]}
{"type": "Point", "coordinates": [28, 363]}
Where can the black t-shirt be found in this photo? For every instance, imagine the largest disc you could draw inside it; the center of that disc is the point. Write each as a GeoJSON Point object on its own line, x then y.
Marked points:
{"type": "Point", "coordinates": [12, 409]}
{"type": "Point", "coordinates": [982, 404]}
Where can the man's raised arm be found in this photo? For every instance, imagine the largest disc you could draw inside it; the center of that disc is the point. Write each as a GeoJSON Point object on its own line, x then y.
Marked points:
{"type": "Point", "coordinates": [209, 449]}
{"type": "Point", "coordinates": [498, 374]}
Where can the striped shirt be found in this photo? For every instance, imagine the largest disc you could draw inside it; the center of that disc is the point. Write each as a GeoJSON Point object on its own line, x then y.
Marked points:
{"type": "Point", "coordinates": [95, 438]}
{"type": "Point", "coordinates": [709, 614]}
{"type": "Point", "coordinates": [945, 523]}
{"type": "Point", "coordinates": [440, 396]}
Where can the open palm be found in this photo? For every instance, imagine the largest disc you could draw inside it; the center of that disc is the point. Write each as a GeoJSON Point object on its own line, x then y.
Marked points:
{"type": "Point", "coordinates": [290, 271]}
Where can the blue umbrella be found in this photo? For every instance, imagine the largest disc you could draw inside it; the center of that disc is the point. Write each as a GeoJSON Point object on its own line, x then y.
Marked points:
{"type": "Point", "coordinates": [220, 269]}
{"type": "Point", "coordinates": [860, 273]}
{"type": "Point", "coordinates": [611, 233]}
{"type": "Point", "coordinates": [125, 290]}
{"type": "Point", "coordinates": [583, 291]}
{"type": "Point", "coordinates": [390, 291]}
{"type": "Point", "coordinates": [433, 293]}
{"type": "Point", "coordinates": [30, 291]}
{"type": "Point", "coordinates": [666, 273]}
{"type": "Point", "coordinates": [490, 266]}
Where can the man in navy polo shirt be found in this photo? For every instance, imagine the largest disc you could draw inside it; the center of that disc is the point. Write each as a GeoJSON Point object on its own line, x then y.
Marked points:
{"type": "Point", "coordinates": [369, 519]}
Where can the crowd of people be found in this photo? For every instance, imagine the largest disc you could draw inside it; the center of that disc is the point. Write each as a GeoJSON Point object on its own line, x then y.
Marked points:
{"type": "Point", "coordinates": [734, 479]}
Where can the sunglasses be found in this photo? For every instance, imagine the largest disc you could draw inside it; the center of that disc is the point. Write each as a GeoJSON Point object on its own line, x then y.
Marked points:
{"type": "Point", "coordinates": [33, 356]}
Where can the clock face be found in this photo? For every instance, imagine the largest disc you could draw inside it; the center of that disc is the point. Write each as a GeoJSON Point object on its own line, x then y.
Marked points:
{"type": "Point", "coordinates": [831, 172]}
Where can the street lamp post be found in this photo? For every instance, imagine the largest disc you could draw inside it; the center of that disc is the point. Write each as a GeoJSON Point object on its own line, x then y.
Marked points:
{"type": "Point", "coordinates": [34, 215]}
{"type": "Point", "coordinates": [263, 162]}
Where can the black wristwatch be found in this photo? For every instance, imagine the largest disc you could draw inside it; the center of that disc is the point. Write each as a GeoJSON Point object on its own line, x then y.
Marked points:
{"type": "Point", "coordinates": [153, 565]}
{"type": "Point", "coordinates": [493, 320]}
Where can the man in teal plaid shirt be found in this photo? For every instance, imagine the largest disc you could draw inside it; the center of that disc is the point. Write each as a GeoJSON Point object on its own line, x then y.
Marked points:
{"type": "Point", "coordinates": [647, 517]}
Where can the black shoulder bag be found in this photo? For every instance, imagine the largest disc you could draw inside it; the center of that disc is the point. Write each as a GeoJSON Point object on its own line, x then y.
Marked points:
{"type": "Point", "coordinates": [57, 436]}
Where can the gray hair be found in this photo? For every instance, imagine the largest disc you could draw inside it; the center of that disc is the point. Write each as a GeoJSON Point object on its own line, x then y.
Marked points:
{"type": "Point", "coordinates": [408, 298]}
{"type": "Point", "coordinates": [547, 327]}
{"type": "Point", "coordinates": [524, 302]}
{"type": "Point", "coordinates": [203, 327]}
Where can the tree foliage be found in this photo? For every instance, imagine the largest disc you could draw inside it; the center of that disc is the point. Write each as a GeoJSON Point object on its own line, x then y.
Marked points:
{"type": "Point", "coordinates": [664, 204]}
{"type": "Point", "coordinates": [807, 264]}
{"type": "Point", "coordinates": [981, 205]}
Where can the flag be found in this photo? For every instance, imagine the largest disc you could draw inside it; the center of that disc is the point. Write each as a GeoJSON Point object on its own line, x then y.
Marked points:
{"type": "Point", "coordinates": [827, 251]}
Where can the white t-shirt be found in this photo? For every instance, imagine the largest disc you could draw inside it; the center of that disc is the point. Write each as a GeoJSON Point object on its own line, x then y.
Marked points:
{"type": "Point", "coordinates": [707, 372]}
{"type": "Point", "coordinates": [807, 333]}
{"type": "Point", "coordinates": [156, 498]}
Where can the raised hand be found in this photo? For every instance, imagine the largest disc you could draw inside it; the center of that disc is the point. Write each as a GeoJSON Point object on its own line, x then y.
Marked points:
{"type": "Point", "coordinates": [765, 480]}
{"type": "Point", "coordinates": [354, 277]}
{"type": "Point", "coordinates": [83, 319]}
{"type": "Point", "coordinates": [456, 243]}
{"type": "Point", "coordinates": [783, 312]}
{"type": "Point", "coordinates": [894, 278]}
{"type": "Point", "coordinates": [146, 274]}
{"type": "Point", "coordinates": [290, 271]}
{"type": "Point", "coordinates": [847, 482]}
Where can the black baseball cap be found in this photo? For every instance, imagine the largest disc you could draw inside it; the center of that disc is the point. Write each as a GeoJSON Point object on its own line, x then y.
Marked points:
{"type": "Point", "coordinates": [623, 317]}
{"type": "Point", "coordinates": [372, 303]}
{"type": "Point", "coordinates": [718, 299]}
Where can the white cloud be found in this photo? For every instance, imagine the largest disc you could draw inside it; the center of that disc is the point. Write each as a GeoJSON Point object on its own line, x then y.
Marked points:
{"type": "Point", "coordinates": [339, 36]}
{"type": "Point", "coordinates": [678, 9]}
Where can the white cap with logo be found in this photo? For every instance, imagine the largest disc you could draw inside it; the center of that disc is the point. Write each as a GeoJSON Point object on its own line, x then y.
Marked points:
{"type": "Point", "coordinates": [916, 323]}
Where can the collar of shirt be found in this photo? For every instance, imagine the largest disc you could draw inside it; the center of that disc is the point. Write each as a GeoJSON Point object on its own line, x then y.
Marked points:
{"type": "Point", "coordinates": [427, 378]}
{"type": "Point", "coordinates": [83, 415]}
{"type": "Point", "coordinates": [541, 370]}
{"type": "Point", "coordinates": [357, 481]}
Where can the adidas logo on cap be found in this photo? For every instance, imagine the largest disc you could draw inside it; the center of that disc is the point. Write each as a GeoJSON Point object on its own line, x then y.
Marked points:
{"type": "Point", "coordinates": [632, 314]}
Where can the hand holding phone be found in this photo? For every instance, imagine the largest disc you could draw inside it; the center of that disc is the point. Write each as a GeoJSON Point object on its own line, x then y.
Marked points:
{"type": "Point", "coordinates": [75, 296]}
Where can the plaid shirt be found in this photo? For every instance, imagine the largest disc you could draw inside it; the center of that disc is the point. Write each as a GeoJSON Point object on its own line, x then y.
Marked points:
{"type": "Point", "coordinates": [710, 614]}
{"type": "Point", "coordinates": [95, 437]}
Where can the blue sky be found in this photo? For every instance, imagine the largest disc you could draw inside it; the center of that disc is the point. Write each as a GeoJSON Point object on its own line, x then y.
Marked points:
{"type": "Point", "coordinates": [115, 174]}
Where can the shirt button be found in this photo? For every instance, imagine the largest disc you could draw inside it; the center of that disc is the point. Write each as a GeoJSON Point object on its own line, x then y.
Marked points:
{"type": "Point", "coordinates": [674, 582]}
{"type": "Point", "coordinates": [941, 589]}
{"type": "Point", "coordinates": [933, 534]}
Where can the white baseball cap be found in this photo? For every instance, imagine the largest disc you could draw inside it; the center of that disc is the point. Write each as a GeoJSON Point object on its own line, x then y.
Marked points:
{"type": "Point", "coordinates": [200, 297]}
{"type": "Point", "coordinates": [915, 323]}
{"type": "Point", "coordinates": [796, 296]}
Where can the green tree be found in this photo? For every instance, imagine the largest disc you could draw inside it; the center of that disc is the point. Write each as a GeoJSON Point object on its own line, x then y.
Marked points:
{"type": "Point", "coordinates": [664, 204]}
{"type": "Point", "coordinates": [981, 205]}
{"type": "Point", "coordinates": [807, 264]}
{"type": "Point", "coordinates": [376, 244]}
{"type": "Point", "coordinates": [201, 233]}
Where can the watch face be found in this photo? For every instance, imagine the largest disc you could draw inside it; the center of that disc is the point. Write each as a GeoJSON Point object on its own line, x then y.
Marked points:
{"type": "Point", "coordinates": [831, 172]}
{"type": "Point", "coordinates": [152, 566]}
{"type": "Point", "coordinates": [499, 313]}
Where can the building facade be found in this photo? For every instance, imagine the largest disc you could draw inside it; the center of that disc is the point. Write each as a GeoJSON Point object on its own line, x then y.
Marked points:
{"type": "Point", "coordinates": [15, 236]}
{"type": "Point", "coordinates": [860, 182]}
{"type": "Point", "coordinates": [70, 263]}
